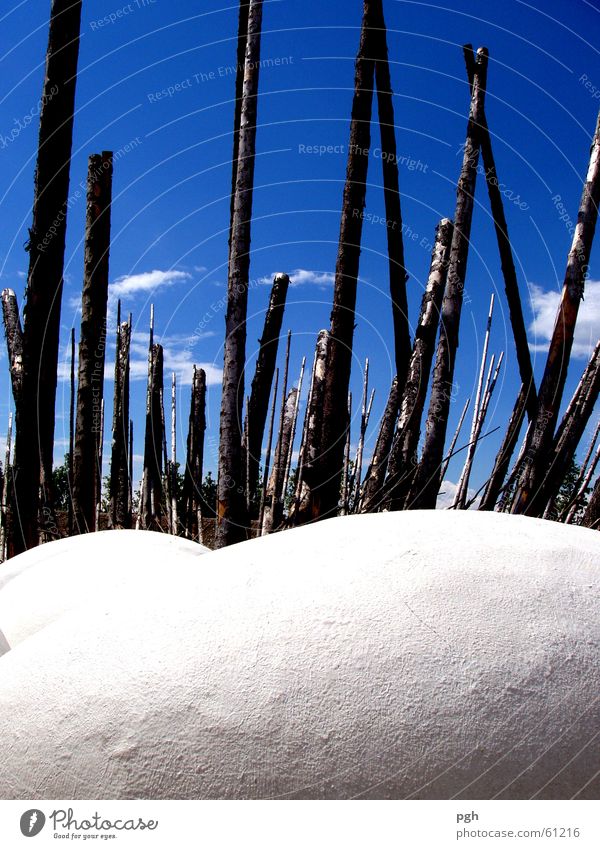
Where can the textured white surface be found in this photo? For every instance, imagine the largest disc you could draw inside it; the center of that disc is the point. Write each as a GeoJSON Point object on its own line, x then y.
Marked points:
{"type": "Point", "coordinates": [38, 587]}
{"type": "Point", "coordinates": [422, 655]}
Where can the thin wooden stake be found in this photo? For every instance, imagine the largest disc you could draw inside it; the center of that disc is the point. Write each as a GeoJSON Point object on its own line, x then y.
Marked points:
{"type": "Point", "coordinates": [5, 489]}
{"type": "Point", "coordinates": [263, 495]}
{"type": "Point", "coordinates": [461, 490]}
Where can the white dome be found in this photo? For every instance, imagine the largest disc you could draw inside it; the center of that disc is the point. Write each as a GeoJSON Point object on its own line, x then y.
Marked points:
{"type": "Point", "coordinates": [400, 655]}
{"type": "Point", "coordinates": [38, 587]}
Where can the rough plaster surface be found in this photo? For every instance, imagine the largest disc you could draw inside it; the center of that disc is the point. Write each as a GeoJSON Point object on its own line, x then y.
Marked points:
{"type": "Point", "coordinates": [38, 587]}
{"type": "Point", "coordinates": [421, 655]}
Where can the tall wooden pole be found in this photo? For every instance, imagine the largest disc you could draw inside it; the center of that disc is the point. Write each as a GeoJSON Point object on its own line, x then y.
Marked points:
{"type": "Point", "coordinates": [530, 495]}
{"type": "Point", "coordinates": [511, 283]}
{"type": "Point", "coordinates": [460, 502]}
{"type": "Point", "coordinates": [403, 456]}
{"type": "Point", "coordinates": [391, 190]}
{"type": "Point", "coordinates": [372, 489]}
{"type": "Point", "coordinates": [288, 466]}
{"type": "Point", "coordinates": [326, 491]}
{"type": "Point", "coordinates": [173, 467]}
{"type": "Point", "coordinates": [71, 430]}
{"type": "Point", "coordinates": [34, 418]}
{"type": "Point", "coordinates": [5, 493]}
{"type": "Point", "coordinates": [274, 502]}
{"type": "Point", "coordinates": [346, 476]}
{"type": "Point", "coordinates": [151, 510]}
{"type": "Point", "coordinates": [263, 494]}
{"type": "Point", "coordinates": [120, 510]}
{"type": "Point", "coordinates": [92, 342]}
{"type": "Point", "coordinates": [427, 481]}
{"type": "Point", "coordinates": [232, 520]}
{"type": "Point", "coordinates": [591, 517]}
{"type": "Point", "coordinates": [14, 341]}
{"type": "Point", "coordinates": [305, 509]}
{"type": "Point", "coordinates": [581, 489]}
{"type": "Point", "coordinates": [99, 461]}
{"type": "Point", "coordinates": [461, 489]}
{"type": "Point", "coordinates": [457, 433]}
{"type": "Point", "coordinates": [192, 482]}
{"type": "Point", "coordinates": [564, 447]}
{"type": "Point", "coordinates": [263, 377]}
{"type": "Point", "coordinates": [361, 438]}
{"type": "Point", "coordinates": [502, 462]}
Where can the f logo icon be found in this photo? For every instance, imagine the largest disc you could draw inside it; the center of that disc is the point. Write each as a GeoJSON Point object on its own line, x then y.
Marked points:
{"type": "Point", "coordinates": [32, 822]}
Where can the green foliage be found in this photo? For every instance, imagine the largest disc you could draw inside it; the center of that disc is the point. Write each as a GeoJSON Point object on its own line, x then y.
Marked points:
{"type": "Point", "coordinates": [60, 482]}
{"type": "Point", "coordinates": [568, 491]}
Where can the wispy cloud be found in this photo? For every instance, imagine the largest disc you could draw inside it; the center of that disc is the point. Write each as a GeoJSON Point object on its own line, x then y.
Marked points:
{"type": "Point", "coordinates": [179, 357]}
{"type": "Point", "coordinates": [545, 306]}
{"type": "Point", "coordinates": [131, 285]}
{"type": "Point", "coordinates": [447, 493]}
{"type": "Point", "coordinates": [303, 277]}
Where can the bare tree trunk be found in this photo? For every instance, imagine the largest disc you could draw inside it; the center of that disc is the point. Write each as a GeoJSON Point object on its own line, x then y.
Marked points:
{"type": "Point", "coordinates": [591, 517]}
{"type": "Point", "coordinates": [263, 376]}
{"type": "Point", "coordinates": [34, 416]}
{"type": "Point", "coordinates": [5, 493]}
{"type": "Point", "coordinates": [509, 273]}
{"type": "Point", "coordinates": [372, 490]}
{"type": "Point", "coordinates": [425, 487]}
{"type": "Point", "coordinates": [391, 190]}
{"type": "Point", "coordinates": [120, 510]}
{"type": "Point", "coordinates": [231, 511]}
{"type": "Point", "coordinates": [288, 467]}
{"type": "Point", "coordinates": [531, 496]}
{"type": "Point", "coordinates": [263, 494]}
{"type": "Point", "coordinates": [357, 477]}
{"type": "Point", "coordinates": [305, 507]}
{"type": "Point", "coordinates": [494, 484]}
{"type": "Point", "coordinates": [150, 507]}
{"type": "Point", "coordinates": [583, 481]}
{"type": "Point", "coordinates": [581, 489]}
{"type": "Point", "coordinates": [72, 399]}
{"type": "Point", "coordinates": [92, 342]}
{"type": "Point", "coordinates": [192, 482]}
{"type": "Point", "coordinates": [346, 476]}
{"type": "Point", "coordinates": [403, 457]}
{"type": "Point", "coordinates": [462, 503]}
{"type": "Point", "coordinates": [274, 501]}
{"type": "Point", "coordinates": [131, 466]}
{"type": "Point", "coordinates": [326, 487]}
{"type": "Point", "coordinates": [239, 93]}
{"type": "Point", "coordinates": [99, 459]}
{"type": "Point", "coordinates": [457, 433]}
{"type": "Point", "coordinates": [463, 484]}
{"type": "Point", "coordinates": [167, 477]}
{"type": "Point", "coordinates": [174, 529]}
{"type": "Point", "coordinates": [14, 341]}
{"type": "Point", "coordinates": [565, 447]}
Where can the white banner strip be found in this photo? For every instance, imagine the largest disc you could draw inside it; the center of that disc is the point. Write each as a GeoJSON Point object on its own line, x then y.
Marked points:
{"type": "Point", "coordinates": [300, 824]}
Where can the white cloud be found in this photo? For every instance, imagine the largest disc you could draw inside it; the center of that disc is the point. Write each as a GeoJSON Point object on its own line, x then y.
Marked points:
{"type": "Point", "coordinates": [447, 493]}
{"type": "Point", "coordinates": [147, 281]}
{"type": "Point", "coordinates": [303, 277]}
{"type": "Point", "coordinates": [545, 307]}
{"type": "Point", "coordinates": [178, 357]}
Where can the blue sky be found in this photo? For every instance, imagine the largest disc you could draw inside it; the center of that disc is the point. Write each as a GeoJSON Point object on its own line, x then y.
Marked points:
{"type": "Point", "coordinates": [156, 86]}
